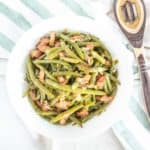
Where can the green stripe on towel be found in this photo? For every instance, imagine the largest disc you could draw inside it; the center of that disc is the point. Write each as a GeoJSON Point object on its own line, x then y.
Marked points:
{"type": "Point", "coordinates": [37, 8]}
{"type": "Point", "coordinates": [128, 141]}
{"type": "Point", "coordinates": [16, 17]}
{"type": "Point", "coordinates": [75, 7]}
{"type": "Point", "coordinates": [5, 42]}
{"type": "Point", "coordinates": [139, 113]}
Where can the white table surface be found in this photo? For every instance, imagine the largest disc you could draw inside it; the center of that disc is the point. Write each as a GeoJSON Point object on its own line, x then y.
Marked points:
{"type": "Point", "coordinates": [15, 136]}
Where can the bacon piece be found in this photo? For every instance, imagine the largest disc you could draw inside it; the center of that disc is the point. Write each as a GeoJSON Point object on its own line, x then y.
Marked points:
{"type": "Point", "coordinates": [64, 119]}
{"type": "Point", "coordinates": [41, 76]}
{"type": "Point", "coordinates": [90, 46]}
{"type": "Point", "coordinates": [44, 107]}
{"type": "Point", "coordinates": [32, 95]}
{"type": "Point", "coordinates": [36, 54]}
{"type": "Point", "coordinates": [52, 38]}
{"type": "Point", "coordinates": [42, 48]}
{"type": "Point", "coordinates": [44, 41]}
{"type": "Point", "coordinates": [100, 81]}
{"type": "Point", "coordinates": [85, 80]}
{"type": "Point", "coordinates": [83, 113]}
{"type": "Point", "coordinates": [62, 105]}
{"type": "Point", "coordinates": [104, 98]}
{"type": "Point", "coordinates": [61, 80]}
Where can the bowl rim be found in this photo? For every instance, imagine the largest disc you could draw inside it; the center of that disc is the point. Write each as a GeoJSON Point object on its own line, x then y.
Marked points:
{"type": "Point", "coordinates": [8, 78]}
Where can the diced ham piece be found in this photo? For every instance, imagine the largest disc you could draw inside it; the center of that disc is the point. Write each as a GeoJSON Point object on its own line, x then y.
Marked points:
{"type": "Point", "coordinates": [43, 44]}
{"type": "Point", "coordinates": [52, 38]}
{"type": "Point", "coordinates": [85, 80]}
{"type": "Point", "coordinates": [62, 105]}
{"type": "Point", "coordinates": [104, 98]}
{"type": "Point", "coordinates": [83, 113]}
{"type": "Point", "coordinates": [42, 48]}
{"type": "Point", "coordinates": [57, 44]}
{"type": "Point", "coordinates": [41, 76]}
{"type": "Point", "coordinates": [61, 80]}
{"type": "Point", "coordinates": [32, 95]}
{"type": "Point", "coordinates": [64, 119]}
{"type": "Point", "coordinates": [90, 46]}
{"type": "Point", "coordinates": [44, 107]}
{"type": "Point", "coordinates": [100, 81]}
{"type": "Point", "coordinates": [44, 41]}
{"type": "Point", "coordinates": [36, 53]}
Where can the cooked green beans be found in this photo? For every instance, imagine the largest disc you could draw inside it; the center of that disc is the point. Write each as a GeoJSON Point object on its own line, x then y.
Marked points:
{"type": "Point", "coordinates": [67, 113]}
{"type": "Point", "coordinates": [71, 77]}
{"type": "Point", "coordinates": [77, 90]}
{"type": "Point", "coordinates": [35, 81]}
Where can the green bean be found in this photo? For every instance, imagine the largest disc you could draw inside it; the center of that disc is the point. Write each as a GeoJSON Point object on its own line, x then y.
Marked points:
{"type": "Point", "coordinates": [66, 113]}
{"type": "Point", "coordinates": [41, 113]}
{"type": "Point", "coordinates": [51, 50]}
{"type": "Point", "coordinates": [53, 54]}
{"type": "Point", "coordinates": [48, 113]}
{"type": "Point", "coordinates": [46, 72]}
{"type": "Point", "coordinates": [36, 108]}
{"type": "Point", "coordinates": [42, 97]}
{"type": "Point", "coordinates": [75, 46]}
{"type": "Point", "coordinates": [71, 60]}
{"type": "Point", "coordinates": [66, 73]}
{"type": "Point", "coordinates": [114, 91]}
{"type": "Point", "coordinates": [114, 79]}
{"type": "Point", "coordinates": [108, 83]}
{"type": "Point", "coordinates": [98, 57]}
{"type": "Point", "coordinates": [69, 52]}
{"type": "Point", "coordinates": [75, 120]}
{"type": "Point", "coordinates": [94, 99]}
{"type": "Point", "coordinates": [78, 50]}
{"type": "Point", "coordinates": [38, 95]}
{"type": "Point", "coordinates": [93, 78]}
{"type": "Point", "coordinates": [74, 33]}
{"type": "Point", "coordinates": [106, 87]}
{"type": "Point", "coordinates": [55, 61]}
{"type": "Point", "coordinates": [77, 90]}
{"type": "Point", "coordinates": [100, 42]}
{"type": "Point", "coordinates": [98, 69]}
{"type": "Point", "coordinates": [36, 82]}
{"type": "Point", "coordinates": [94, 113]}
{"type": "Point", "coordinates": [27, 77]}
{"type": "Point", "coordinates": [103, 47]}
{"type": "Point", "coordinates": [92, 69]}
{"type": "Point", "coordinates": [89, 104]}
{"type": "Point", "coordinates": [75, 85]}
{"type": "Point", "coordinates": [107, 54]}
{"type": "Point", "coordinates": [83, 68]}
{"type": "Point", "coordinates": [95, 44]}
{"type": "Point", "coordinates": [42, 56]}
{"type": "Point", "coordinates": [25, 93]}
{"type": "Point", "coordinates": [55, 100]}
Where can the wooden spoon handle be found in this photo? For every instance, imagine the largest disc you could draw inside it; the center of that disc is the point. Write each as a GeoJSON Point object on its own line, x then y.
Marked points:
{"type": "Point", "coordinates": [145, 79]}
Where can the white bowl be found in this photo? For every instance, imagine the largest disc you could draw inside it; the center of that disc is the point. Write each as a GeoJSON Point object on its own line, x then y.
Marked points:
{"type": "Point", "coordinates": [16, 73]}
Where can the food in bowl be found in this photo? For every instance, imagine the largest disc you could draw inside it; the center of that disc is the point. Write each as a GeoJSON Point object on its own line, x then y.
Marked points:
{"type": "Point", "coordinates": [71, 77]}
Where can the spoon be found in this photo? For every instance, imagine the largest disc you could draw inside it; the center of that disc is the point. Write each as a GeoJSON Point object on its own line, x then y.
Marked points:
{"type": "Point", "coordinates": [131, 17]}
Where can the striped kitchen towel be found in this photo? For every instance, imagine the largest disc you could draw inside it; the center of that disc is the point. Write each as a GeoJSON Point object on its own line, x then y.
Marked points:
{"type": "Point", "coordinates": [18, 16]}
